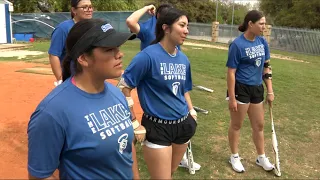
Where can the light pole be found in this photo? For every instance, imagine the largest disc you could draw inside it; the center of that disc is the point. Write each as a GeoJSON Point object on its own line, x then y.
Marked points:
{"type": "Point", "coordinates": [217, 10]}
{"type": "Point", "coordinates": [231, 29]}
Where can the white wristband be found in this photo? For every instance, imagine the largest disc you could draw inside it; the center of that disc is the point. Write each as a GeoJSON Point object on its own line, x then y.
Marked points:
{"type": "Point", "coordinates": [270, 93]}
{"type": "Point", "coordinates": [193, 112]}
{"type": "Point", "coordinates": [130, 101]}
{"type": "Point", "coordinates": [57, 83]}
{"type": "Point", "coordinates": [135, 124]}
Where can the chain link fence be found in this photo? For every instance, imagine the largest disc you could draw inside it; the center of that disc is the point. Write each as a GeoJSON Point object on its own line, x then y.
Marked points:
{"type": "Point", "coordinates": [41, 25]}
{"type": "Point", "coordinates": [282, 38]}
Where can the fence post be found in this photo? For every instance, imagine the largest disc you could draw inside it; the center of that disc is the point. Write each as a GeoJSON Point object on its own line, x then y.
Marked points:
{"type": "Point", "coordinates": [267, 33]}
{"type": "Point", "coordinates": [215, 31]}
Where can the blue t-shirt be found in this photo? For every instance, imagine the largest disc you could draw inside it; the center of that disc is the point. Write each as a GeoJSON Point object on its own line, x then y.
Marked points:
{"type": "Point", "coordinates": [58, 39]}
{"type": "Point", "coordinates": [248, 58]}
{"type": "Point", "coordinates": [85, 136]}
{"type": "Point", "coordinates": [161, 81]}
{"type": "Point", "coordinates": [147, 32]}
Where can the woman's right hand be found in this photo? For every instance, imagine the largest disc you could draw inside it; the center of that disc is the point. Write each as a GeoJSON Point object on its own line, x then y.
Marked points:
{"type": "Point", "coordinates": [140, 133]}
{"type": "Point", "coordinates": [151, 9]}
{"type": "Point", "coordinates": [233, 106]}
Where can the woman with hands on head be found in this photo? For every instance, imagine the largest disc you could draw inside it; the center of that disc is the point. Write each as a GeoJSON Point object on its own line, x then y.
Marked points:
{"type": "Point", "coordinates": [162, 75]}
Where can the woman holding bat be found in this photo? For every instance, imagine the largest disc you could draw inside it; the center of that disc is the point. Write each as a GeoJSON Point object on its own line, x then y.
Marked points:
{"type": "Point", "coordinates": [248, 66]}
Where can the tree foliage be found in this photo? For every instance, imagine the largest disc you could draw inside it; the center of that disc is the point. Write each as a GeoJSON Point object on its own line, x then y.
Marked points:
{"type": "Point", "coordinates": [30, 6]}
{"type": "Point", "coordinates": [292, 13]}
{"type": "Point", "coordinates": [204, 11]}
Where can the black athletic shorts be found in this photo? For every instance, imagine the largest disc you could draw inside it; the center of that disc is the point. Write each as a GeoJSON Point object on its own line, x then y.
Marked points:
{"type": "Point", "coordinates": [249, 93]}
{"type": "Point", "coordinates": [166, 132]}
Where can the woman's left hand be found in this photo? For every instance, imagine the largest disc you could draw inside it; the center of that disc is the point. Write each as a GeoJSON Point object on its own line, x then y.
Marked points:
{"type": "Point", "coordinates": [270, 98]}
{"type": "Point", "coordinates": [194, 117]}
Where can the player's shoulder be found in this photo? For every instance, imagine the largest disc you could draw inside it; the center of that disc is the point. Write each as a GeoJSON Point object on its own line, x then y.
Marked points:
{"type": "Point", "coordinates": [58, 97]}
{"type": "Point", "coordinates": [113, 88]}
{"type": "Point", "coordinates": [262, 39]}
{"type": "Point", "coordinates": [238, 42]}
{"type": "Point", "coordinates": [115, 91]}
{"type": "Point", "coordinates": [65, 25]}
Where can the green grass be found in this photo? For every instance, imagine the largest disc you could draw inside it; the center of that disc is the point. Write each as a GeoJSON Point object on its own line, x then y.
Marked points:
{"type": "Point", "coordinates": [296, 116]}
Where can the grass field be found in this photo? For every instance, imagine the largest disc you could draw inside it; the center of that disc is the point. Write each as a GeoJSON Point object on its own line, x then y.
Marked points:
{"type": "Point", "coordinates": [296, 115]}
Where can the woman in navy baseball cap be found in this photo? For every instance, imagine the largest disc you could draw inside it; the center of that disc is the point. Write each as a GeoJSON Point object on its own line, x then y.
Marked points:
{"type": "Point", "coordinates": [83, 127]}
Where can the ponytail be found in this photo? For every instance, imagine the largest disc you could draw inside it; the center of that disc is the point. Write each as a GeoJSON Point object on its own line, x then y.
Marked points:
{"type": "Point", "coordinates": [242, 28]}
{"type": "Point", "coordinates": [66, 71]}
{"type": "Point", "coordinates": [159, 37]}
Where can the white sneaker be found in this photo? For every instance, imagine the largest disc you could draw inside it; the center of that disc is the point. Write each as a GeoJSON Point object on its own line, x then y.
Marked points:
{"type": "Point", "coordinates": [184, 163]}
{"type": "Point", "coordinates": [237, 166]}
{"type": "Point", "coordinates": [264, 163]}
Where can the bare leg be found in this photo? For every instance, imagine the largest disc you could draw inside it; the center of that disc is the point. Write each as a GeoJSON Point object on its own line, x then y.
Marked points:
{"type": "Point", "coordinates": [256, 116]}
{"type": "Point", "coordinates": [158, 161]}
{"type": "Point", "coordinates": [236, 121]}
{"type": "Point", "coordinates": [178, 151]}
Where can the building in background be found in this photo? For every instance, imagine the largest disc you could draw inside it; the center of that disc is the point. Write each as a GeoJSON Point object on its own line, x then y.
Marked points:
{"type": "Point", "coordinates": [6, 8]}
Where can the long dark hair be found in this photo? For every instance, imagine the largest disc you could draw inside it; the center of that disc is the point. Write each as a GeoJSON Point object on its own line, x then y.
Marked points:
{"type": "Point", "coordinates": [252, 16]}
{"type": "Point", "coordinates": [74, 4]}
{"type": "Point", "coordinates": [169, 17]}
{"type": "Point", "coordinates": [76, 32]}
{"type": "Point", "coordinates": [162, 9]}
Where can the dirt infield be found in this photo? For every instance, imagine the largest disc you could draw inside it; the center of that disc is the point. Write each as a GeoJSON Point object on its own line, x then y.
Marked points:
{"type": "Point", "coordinates": [20, 93]}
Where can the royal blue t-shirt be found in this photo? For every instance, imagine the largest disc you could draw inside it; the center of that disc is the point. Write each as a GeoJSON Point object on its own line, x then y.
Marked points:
{"type": "Point", "coordinates": [161, 81]}
{"type": "Point", "coordinates": [85, 136]}
{"type": "Point", "coordinates": [248, 58]}
{"type": "Point", "coordinates": [147, 32]}
{"type": "Point", "coordinates": [58, 39]}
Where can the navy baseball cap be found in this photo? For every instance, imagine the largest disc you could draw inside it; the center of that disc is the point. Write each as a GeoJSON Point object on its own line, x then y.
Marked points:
{"type": "Point", "coordinates": [100, 35]}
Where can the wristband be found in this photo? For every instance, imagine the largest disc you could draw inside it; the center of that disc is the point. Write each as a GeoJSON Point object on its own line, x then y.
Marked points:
{"type": "Point", "coordinates": [193, 112]}
{"type": "Point", "coordinates": [270, 93]}
{"type": "Point", "coordinates": [135, 124]}
{"type": "Point", "coordinates": [130, 101]}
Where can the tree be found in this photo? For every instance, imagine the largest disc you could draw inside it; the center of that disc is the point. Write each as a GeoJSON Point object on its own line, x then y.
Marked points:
{"type": "Point", "coordinates": [292, 13]}
{"type": "Point", "coordinates": [31, 6]}
{"type": "Point", "coordinates": [203, 11]}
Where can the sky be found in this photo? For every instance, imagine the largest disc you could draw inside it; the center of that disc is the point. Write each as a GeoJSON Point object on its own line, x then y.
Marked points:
{"type": "Point", "coordinates": [252, 2]}
{"type": "Point", "coordinates": [246, 1]}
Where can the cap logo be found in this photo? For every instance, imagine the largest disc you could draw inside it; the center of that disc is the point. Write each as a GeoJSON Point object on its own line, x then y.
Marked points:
{"type": "Point", "coordinates": [106, 27]}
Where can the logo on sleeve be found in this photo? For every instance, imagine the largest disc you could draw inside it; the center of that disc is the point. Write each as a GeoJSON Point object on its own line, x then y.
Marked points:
{"type": "Point", "coordinates": [123, 142]}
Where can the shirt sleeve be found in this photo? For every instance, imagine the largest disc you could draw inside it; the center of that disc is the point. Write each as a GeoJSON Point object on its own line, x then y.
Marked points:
{"type": "Point", "coordinates": [58, 41]}
{"type": "Point", "coordinates": [141, 32]}
{"type": "Point", "coordinates": [266, 49]}
{"type": "Point", "coordinates": [137, 69]}
{"type": "Point", "coordinates": [45, 143]}
{"type": "Point", "coordinates": [188, 82]}
{"type": "Point", "coordinates": [233, 56]}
